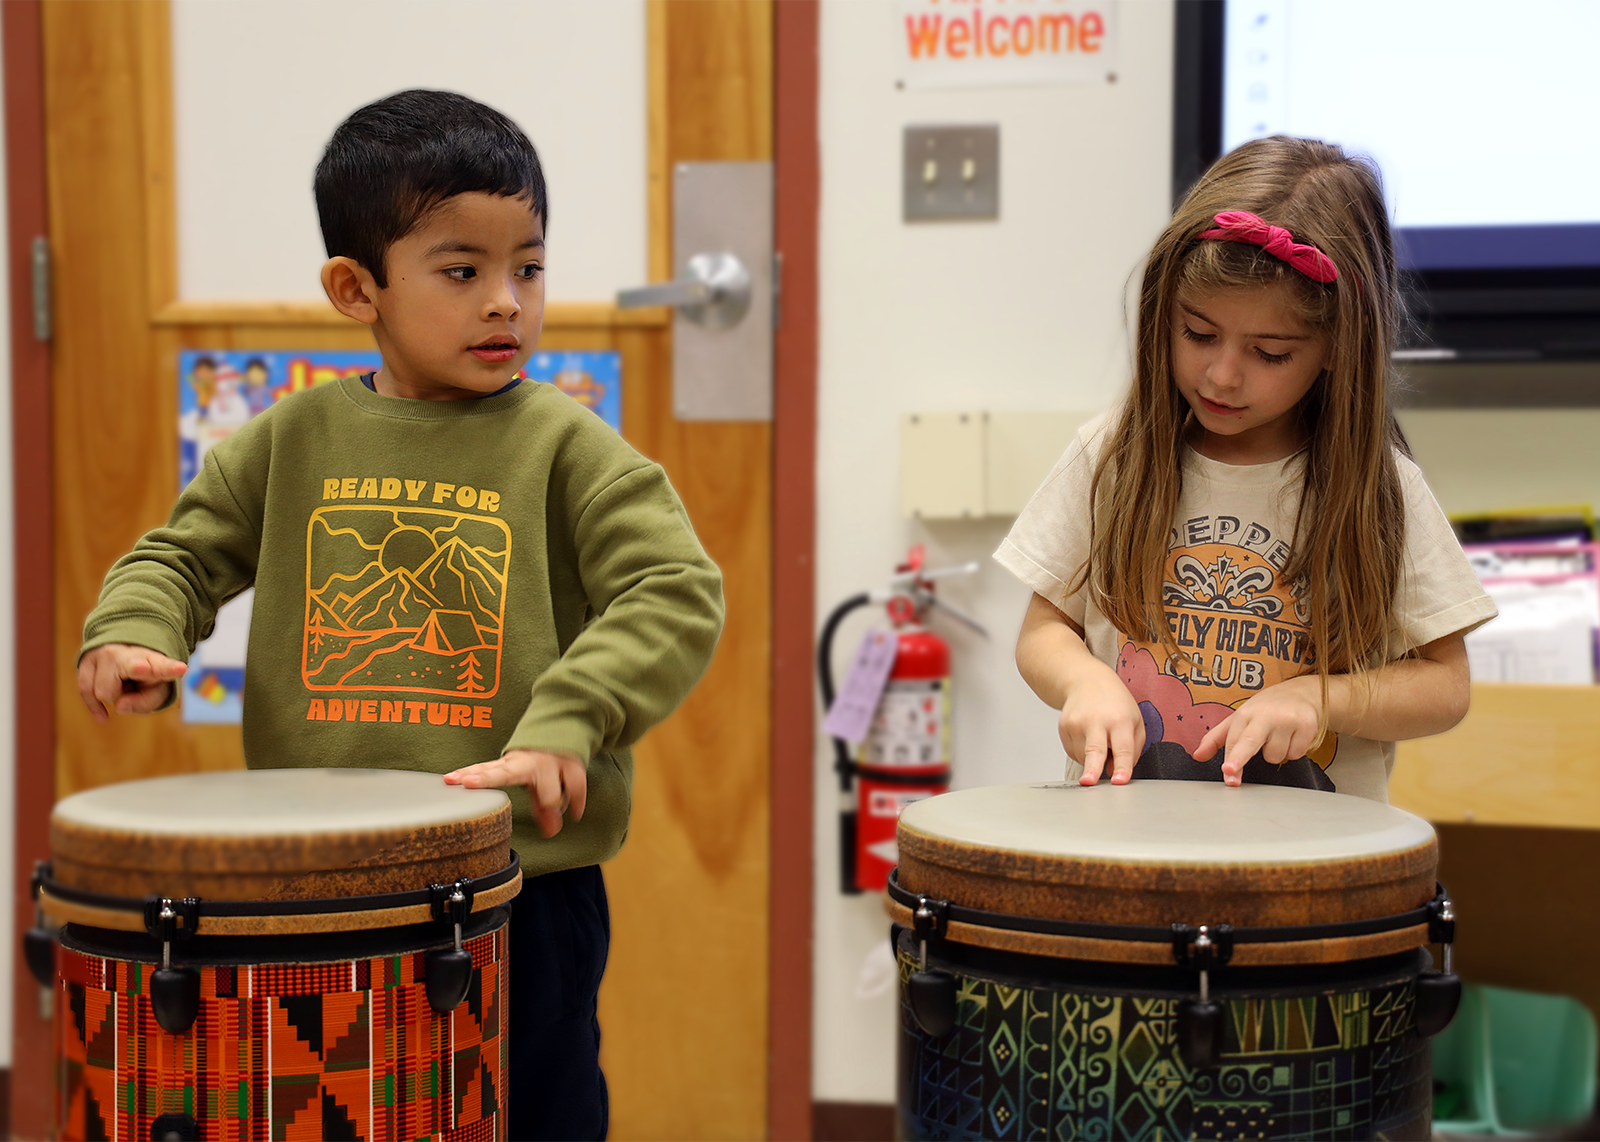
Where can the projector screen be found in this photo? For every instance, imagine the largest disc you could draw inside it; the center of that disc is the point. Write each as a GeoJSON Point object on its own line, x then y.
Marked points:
{"type": "Point", "coordinates": [1483, 117]}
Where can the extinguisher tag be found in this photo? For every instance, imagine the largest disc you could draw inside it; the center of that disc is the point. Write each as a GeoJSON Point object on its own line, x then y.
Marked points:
{"type": "Point", "coordinates": [850, 716]}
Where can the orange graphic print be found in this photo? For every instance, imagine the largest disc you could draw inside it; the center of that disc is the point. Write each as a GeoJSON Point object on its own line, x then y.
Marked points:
{"type": "Point", "coordinates": [1239, 626]}
{"type": "Point", "coordinates": [404, 599]}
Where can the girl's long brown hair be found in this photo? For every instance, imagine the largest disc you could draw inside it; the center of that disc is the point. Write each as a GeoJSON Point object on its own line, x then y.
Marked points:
{"type": "Point", "coordinates": [1350, 528]}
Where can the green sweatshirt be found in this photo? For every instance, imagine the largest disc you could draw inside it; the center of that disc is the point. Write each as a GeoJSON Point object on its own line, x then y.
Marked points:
{"type": "Point", "coordinates": [436, 582]}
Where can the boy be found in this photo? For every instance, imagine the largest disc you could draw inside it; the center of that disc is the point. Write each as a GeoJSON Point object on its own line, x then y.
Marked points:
{"type": "Point", "coordinates": [469, 538]}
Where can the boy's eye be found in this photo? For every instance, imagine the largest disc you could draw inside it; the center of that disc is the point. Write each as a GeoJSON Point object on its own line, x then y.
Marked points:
{"type": "Point", "coordinates": [461, 273]}
{"type": "Point", "coordinates": [530, 271]}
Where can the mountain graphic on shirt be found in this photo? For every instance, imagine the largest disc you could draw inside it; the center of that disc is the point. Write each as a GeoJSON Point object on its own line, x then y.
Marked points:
{"type": "Point", "coordinates": [404, 600]}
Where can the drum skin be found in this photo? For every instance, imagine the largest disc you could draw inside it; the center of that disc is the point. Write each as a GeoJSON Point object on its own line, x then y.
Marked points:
{"type": "Point", "coordinates": [1053, 1058]}
{"type": "Point", "coordinates": [310, 1049]}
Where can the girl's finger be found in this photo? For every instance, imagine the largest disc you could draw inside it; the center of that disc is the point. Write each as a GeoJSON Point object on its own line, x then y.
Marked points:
{"type": "Point", "coordinates": [1122, 754]}
{"type": "Point", "coordinates": [1212, 742]}
{"type": "Point", "coordinates": [1240, 749]}
{"type": "Point", "coordinates": [1094, 756]}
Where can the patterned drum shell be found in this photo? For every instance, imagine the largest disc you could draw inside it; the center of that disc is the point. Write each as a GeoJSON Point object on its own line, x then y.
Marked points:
{"type": "Point", "coordinates": [294, 1039]}
{"type": "Point", "coordinates": [1076, 1050]}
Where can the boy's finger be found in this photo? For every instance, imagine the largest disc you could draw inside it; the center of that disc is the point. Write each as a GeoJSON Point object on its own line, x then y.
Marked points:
{"type": "Point", "coordinates": [576, 780]}
{"type": "Point", "coordinates": [145, 700]}
{"type": "Point", "coordinates": [107, 683]}
{"type": "Point", "coordinates": [155, 668]}
{"type": "Point", "coordinates": [86, 673]}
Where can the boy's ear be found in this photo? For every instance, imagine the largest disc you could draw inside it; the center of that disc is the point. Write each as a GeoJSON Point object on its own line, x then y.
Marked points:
{"type": "Point", "coordinates": [350, 287]}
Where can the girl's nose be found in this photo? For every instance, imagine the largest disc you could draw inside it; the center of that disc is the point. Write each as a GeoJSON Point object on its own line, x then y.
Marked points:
{"type": "Point", "coordinates": [1224, 370]}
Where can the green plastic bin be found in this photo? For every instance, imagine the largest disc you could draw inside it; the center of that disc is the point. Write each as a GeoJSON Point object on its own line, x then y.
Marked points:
{"type": "Point", "coordinates": [1512, 1062]}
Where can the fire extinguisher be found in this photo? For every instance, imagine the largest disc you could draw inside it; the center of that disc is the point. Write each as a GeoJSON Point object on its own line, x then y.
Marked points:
{"type": "Point", "coordinates": [905, 755]}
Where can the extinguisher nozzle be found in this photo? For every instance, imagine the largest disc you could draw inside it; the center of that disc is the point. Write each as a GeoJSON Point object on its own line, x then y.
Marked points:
{"type": "Point", "coordinates": [847, 853]}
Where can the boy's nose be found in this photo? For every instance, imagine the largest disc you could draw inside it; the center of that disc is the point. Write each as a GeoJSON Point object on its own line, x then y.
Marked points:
{"type": "Point", "coordinates": [502, 303]}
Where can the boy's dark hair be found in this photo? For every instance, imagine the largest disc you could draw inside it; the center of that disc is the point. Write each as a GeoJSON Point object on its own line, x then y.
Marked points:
{"type": "Point", "coordinates": [390, 164]}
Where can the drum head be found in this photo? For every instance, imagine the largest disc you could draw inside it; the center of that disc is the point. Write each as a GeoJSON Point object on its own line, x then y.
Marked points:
{"type": "Point", "coordinates": [278, 834]}
{"type": "Point", "coordinates": [1164, 852]}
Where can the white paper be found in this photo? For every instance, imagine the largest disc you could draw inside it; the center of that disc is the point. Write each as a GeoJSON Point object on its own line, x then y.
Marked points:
{"type": "Point", "coordinates": [230, 638]}
{"type": "Point", "coordinates": [1545, 633]}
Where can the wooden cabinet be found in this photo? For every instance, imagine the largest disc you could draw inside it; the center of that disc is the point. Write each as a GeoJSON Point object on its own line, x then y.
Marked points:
{"type": "Point", "coordinates": [1514, 792]}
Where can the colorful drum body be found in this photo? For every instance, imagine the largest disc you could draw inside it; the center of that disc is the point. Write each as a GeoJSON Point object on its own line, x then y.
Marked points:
{"type": "Point", "coordinates": [305, 1047]}
{"type": "Point", "coordinates": [309, 1015]}
{"type": "Point", "coordinates": [1075, 997]}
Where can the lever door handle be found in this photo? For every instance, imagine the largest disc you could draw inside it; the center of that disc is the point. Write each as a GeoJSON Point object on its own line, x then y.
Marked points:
{"type": "Point", "coordinates": [713, 293]}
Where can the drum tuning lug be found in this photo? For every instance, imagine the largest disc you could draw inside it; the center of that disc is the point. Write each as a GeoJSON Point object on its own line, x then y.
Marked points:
{"type": "Point", "coordinates": [175, 998]}
{"type": "Point", "coordinates": [452, 901]}
{"type": "Point", "coordinates": [1200, 1033]}
{"type": "Point", "coordinates": [162, 915]}
{"type": "Point", "coordinates": [39, 941]}
{"type": "Point", "coordinates": [447, 974]}
{"type": "Point", "coordinates": [172, 1127]}
{"type": "Point", "coordinates": [933, 1001]}
{"type": "Point", "coordinates": [1438, 996]}
{"type": "Point", "coordinates": [39, 949]}
{"type": "Point", "coordinates": [929, 918]}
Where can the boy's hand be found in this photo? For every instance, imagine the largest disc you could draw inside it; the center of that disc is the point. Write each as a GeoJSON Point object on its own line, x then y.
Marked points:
{"type": "Point", "coordinates": [123, 679]}
{"type": "Point", "coordinates": [555, 781]}
{"type": "Point", "coordinates": [1101, 723]}
{"type": "Point", "coordinates": [1280, 723]}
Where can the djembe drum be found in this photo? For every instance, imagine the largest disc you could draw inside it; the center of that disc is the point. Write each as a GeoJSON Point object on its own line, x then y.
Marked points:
{"type": "Point", "coordinates": [1167, 959]}
{"type": "Point", "coordinates": [281, 954]}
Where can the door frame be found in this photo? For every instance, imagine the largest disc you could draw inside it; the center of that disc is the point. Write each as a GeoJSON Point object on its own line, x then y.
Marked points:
{"type": "Point", "coordinates": [790, 905]}
{"type": "Point", "coordinates": [798, 181]}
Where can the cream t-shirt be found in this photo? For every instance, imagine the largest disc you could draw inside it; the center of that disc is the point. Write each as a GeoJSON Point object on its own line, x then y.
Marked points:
{"type": "Point", "coordinates": [1225, 598]}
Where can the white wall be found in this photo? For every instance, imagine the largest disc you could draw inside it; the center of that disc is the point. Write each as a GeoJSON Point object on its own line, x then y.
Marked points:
{"type": "Point", "coordinates": [259, 86]}
{"type": "Point", "coordinates": [1023, 313]}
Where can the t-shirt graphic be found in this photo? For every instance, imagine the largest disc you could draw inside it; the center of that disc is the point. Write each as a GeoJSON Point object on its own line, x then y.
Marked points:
{"type": "Point", "coordinates": [404, 599]}
{"type": "Point", "coordinates": [1239, 625]}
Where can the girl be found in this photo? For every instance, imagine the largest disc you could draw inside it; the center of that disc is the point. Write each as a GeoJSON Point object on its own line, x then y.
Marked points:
{"type": "Point", "coordinates": [1243, 557]}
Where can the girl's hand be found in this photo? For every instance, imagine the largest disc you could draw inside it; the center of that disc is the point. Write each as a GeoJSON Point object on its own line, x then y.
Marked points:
{"type": "Point", "coordinates": [1280, 723]}
{"type": "Point", "coordinates": [556, 783]}
{"type": "Point", "coordinates": [1101, 721]}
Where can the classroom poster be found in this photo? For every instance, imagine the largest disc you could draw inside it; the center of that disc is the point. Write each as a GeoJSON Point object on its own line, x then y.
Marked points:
{"type": "Point", "coordinates": [220, 390]}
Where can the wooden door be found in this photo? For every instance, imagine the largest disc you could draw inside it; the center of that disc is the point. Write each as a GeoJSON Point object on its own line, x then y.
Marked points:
{"type": "Point", "coordinates": [684, 1008]}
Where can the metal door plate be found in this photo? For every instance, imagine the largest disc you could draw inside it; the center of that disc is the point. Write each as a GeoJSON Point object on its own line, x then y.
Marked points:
{"type": "Point", "coordinates": [724, 374]}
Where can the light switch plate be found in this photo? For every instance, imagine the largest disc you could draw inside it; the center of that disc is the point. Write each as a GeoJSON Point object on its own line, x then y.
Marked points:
{"type": "Point", "coordinates": [952, 173]}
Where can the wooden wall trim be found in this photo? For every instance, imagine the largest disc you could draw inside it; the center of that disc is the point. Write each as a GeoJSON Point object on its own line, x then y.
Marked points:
{"type": "Point", "coordinates": [33, 607]}
{"type": "Point", "coordinates": [158, 151]}
{"type": "Point", "coordinates": [557, 315]}
{"type": "Point", "coordinates": [798, 182]}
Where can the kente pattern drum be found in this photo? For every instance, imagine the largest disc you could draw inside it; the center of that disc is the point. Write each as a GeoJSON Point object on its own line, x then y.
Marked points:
{"type": "Point", "coordinates": [280, 1011]}
{"type": "Point", "coordinates": [1051, 987]}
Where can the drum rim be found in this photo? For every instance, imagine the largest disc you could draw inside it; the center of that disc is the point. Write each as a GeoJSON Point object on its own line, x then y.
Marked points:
{"type": "Point", "coordinates": [1135, 938]}
{"type": "Point", "coordinates": [274, 917]}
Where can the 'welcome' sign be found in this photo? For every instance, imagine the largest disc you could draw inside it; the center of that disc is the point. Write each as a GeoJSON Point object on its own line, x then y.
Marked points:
{"type": "Point", "coordinates": [994, 43]}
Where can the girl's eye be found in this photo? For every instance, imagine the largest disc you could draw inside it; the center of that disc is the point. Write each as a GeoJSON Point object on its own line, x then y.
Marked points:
{"type": "Point", "coordinates": [461, 273]}
{"type": "Point", "coordinates": [530, 271]}
{"type": "Point", "coordinates": [1272, 358]}
{"type": "Point", "coordinates": [1202, 338]}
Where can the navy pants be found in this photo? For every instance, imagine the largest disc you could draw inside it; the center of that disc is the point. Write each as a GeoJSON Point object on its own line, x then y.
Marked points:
{"type": "Point", "coordinates": [560, 934]}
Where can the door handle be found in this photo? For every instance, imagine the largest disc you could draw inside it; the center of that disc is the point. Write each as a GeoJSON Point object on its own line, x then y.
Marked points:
{"type": "Point", "coordinates": [714, 292]}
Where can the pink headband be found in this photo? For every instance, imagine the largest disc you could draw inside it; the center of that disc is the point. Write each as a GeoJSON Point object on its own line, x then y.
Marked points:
{"type": "Point", "coordinates": [1242, 226]}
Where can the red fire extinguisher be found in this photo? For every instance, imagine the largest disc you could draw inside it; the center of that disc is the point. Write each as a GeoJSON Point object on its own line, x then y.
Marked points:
{"type": "Point", "coordinates": [906, 753]}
